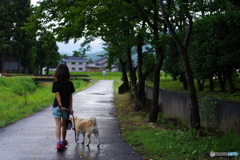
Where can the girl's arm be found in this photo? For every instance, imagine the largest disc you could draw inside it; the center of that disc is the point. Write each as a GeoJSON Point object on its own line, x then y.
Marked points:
{"type": "Point", "coordinates": [58, 96]}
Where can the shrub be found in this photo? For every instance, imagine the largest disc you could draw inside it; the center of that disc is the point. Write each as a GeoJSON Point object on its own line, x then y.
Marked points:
{"type": "Point", "coordinates": [18, 85]}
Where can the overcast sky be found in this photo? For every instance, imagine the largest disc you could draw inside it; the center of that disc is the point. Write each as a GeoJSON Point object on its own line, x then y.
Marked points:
{"type": "Point", "coordinates": [71, 46]}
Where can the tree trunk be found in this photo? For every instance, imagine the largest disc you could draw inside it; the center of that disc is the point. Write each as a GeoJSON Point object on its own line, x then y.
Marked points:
{"type": "Point", "coordinates": [183, 80]}
{"type": "Point", "coordinates": [182, 47]}
{"type": "Point", "coordinates": [124, 75]}
{"type": "Point", "coordinates": [231, 85]}
{"type": "Point", "coordinates": [200, 85]}
{"type": "Point", "coordinates": [47, 70]}
{"type": "Point", "coordinates": [40, 69]}
{"type": "Point", "coordinates": [221, 81]}
{"type": "Point", "coordinates": [10, 64]}
{"type": "Point", "coordinates": [194, 108]}
{"type": "Point", "coordinates": [132, 73]}
{"type": "Point", "coordinates": [2, 63]}
{"type": "Point", "coordinates": [140, 98]}
{"type": "Point", "coordinates": [153, 116]}
{"type": "Point", "coordinates": [211, 84]}
{"type": "Point", "coordinates": [154, 106]}
{"type": "Point", "coordinates": [19, 64]}
{"type": "Point", "coordinates": [232, 88]}
{"type": "Point", "coordinates": [140, 89]}
{"type": "Point", "coordinates": [174, 77]}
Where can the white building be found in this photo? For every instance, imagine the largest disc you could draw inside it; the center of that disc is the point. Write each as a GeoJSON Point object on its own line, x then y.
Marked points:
{"type": "Point", "coordinates": [76, 64]}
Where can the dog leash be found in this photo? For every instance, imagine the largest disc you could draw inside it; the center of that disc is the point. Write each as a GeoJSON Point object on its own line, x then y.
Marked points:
{"type": "Point", "coordinates": [74, 128]}
{"type": "Point", "coordinates": [73, 125]}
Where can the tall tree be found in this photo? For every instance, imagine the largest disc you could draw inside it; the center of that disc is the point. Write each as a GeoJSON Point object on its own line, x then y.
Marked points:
{"type": "Point", "coordinates": [183, 47]}
{"type": "Point", "coordinates": [155, 24]}
{"type": "Point", "coordinates": [47, 52]}
{"type": "Point", "coordinates": [7, 10]}
{"type": "Point", "coordinates": [218, 48]}
{"type": "Point", "coordinates": [22, 40]}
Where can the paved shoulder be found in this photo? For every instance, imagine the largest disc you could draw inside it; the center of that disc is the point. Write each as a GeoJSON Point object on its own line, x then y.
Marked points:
{"type": "Point", "coordinates": [33, 137]}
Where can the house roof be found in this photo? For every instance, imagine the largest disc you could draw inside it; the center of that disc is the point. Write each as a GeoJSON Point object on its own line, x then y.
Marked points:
{"type": "Point", "coordinates": [75, 59]}
{"type": "Point", "coordinates": [96, 65]}
{"type": "Point", "coordinates": [91, 65]}
{"type": "Point", "coordinates": [101, 59]}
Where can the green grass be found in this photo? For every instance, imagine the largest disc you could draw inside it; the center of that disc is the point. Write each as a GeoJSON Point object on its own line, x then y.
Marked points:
{"type": "Point", "coordinates": [168, 141]}
{"type": "Point", "coordinates": [166, 82]}
{"type": "Point", "coordinates": [98, 75]}
{"type": "Point", "coordinates": [21, 97]}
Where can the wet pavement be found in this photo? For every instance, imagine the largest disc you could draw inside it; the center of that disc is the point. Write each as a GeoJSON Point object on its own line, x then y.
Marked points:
{"type": "Point", "coordinates": [33, 137]}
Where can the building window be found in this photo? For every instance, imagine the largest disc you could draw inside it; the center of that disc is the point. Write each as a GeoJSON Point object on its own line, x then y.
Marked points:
{"type": "Point", "coordinates": [80, 69]}
{"type": "Point", "coordinates": [73, 62]}
{"type": "Point", "coordinates": [73, 69]}
{"type": "Point", "coordinates": [80, 63]}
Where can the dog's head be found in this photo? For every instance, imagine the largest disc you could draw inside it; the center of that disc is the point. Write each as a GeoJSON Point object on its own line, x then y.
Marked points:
{"type": "Point", "coordinates": [71, 118]}
{"type": "Point", "coordinates": [75, 119]}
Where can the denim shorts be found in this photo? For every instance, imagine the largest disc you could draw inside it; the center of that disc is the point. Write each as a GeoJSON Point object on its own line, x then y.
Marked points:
{"type": "Point", "coordinates": [58, 113]}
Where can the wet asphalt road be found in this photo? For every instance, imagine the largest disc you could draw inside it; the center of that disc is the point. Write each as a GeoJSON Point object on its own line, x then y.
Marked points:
{"type": "Point", "coordinates": [33, 137]}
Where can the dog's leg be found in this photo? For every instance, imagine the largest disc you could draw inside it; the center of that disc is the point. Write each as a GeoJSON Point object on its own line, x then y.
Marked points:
{"type": "Point", "coordinates": [96, 134]}
{"type": "Point", "coordinates": [77, 136]}
{"type": "Point", "coordinates": [89, 138]}
{"type": "Point", "coordinates": [83, 138]}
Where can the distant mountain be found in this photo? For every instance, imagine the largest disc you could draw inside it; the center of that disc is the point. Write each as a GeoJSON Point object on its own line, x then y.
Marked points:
{"type": "Point", "coordinates": [95, 56]}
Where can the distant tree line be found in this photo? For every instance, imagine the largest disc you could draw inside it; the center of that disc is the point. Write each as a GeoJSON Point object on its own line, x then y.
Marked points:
{"type": "Point", "coordinates": [33, 50]}
{"type": "Point", "coordinates": [190, 40]}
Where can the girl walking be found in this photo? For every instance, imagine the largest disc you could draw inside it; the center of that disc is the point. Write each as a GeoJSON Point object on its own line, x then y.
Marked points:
{"type": "Point", "coordinates": [62, 105]}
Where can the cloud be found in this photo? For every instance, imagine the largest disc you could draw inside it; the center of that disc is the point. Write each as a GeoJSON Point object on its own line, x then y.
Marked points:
{"type": "Point", "coordinates": [68, 48]}
{"type": "Point", "coordinates": [96, 46]}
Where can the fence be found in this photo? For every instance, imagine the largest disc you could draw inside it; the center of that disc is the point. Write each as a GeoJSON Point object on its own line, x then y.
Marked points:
{"type": "Point", "coordinates": [219, 113]}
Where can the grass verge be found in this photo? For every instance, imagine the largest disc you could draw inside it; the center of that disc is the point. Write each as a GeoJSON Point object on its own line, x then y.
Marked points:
{"type": "Point", "coordinates": [168, 140]}
{"type": "Point", "coordinates": [21, 97]}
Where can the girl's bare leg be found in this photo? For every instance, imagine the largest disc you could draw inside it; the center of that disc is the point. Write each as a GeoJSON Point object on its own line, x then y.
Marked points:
{"type": "Point", "coordinates": [64, 130]}
{"type": "Point", "coordinates": [58, 129]}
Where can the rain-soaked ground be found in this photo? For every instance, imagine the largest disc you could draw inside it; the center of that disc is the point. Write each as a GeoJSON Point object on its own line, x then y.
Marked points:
{"type": "Point", "coordinates": [33, 137]}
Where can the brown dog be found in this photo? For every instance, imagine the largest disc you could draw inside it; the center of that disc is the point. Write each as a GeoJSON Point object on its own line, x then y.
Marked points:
{"type": "Point", "coordinates": [83, 126]}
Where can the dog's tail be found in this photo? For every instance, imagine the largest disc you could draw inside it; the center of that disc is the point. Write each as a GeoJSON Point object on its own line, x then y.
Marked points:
{"type": "Point", "coordinates": [93, 119]}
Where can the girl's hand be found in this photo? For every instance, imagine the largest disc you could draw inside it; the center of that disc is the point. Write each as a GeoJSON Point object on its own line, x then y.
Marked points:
{"type": "Point", "coordinates": [71, 111]}
{"type": "Point", "coordinates": [63, 109]}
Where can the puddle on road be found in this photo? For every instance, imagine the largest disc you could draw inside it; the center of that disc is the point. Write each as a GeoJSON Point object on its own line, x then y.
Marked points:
{"type": "Point", "coordinates": [96, 93]}
{"type": "Point", "coordinates": [104, 101]}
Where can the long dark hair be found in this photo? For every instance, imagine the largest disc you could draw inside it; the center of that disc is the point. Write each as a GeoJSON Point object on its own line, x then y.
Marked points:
{"type": "Point", "coordinates": [62, 73]}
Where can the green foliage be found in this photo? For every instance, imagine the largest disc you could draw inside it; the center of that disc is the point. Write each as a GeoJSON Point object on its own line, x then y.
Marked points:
{"type": "Point", "coordinates": [208, 112]}
{"type": "Point", "coordinates": [21, 97]}
{"type": "Point", "coordinates": [46, 51]}
{"type": "Point", "coordinates": [172, 63]}
{"type": "Point", "coordinates": [168, 83]}
{"type": "Point", "coordinates": [215, 45]}
{"type": "Point", "coordinates": [18, 85]}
